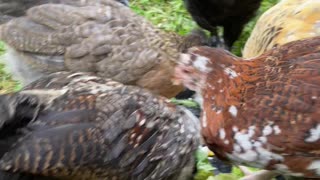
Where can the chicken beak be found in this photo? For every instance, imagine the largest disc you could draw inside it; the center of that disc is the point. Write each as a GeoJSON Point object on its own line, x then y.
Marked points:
{"type": "Point", "coordinates": [176, 81]}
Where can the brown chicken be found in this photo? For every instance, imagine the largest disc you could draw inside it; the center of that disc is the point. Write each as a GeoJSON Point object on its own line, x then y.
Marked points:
{"type": "Point", "coordinates": [79, 126]}
{"type": "Point", "coordinates": [287, 21]}
{"type": "Point", "coordinates": [262, 112]}
{"type": "Point", "coordinates": [109, 40]}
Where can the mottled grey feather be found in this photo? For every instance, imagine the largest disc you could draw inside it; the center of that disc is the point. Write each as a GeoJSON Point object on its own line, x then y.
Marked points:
{"type": "Point", "coordinates": [109, 40]}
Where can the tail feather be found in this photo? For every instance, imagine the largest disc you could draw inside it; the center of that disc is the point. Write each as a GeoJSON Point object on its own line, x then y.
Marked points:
{"type": "Point", "coordinates": [16, 111]}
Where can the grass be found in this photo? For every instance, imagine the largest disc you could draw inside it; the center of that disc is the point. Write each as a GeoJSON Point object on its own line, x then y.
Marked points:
{"type": "Point", "coordinates": [7, 84]}
{"type": "Point", "coordinates": [169, 15]}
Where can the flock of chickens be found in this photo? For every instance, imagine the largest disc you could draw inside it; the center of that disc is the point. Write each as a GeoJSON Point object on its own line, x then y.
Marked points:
{"type": "Point", "coordinates": [97, 81]}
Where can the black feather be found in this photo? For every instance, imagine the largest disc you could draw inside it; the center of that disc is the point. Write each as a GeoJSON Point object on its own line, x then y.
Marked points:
{"type": "Point", "coordinates": [232, 15]}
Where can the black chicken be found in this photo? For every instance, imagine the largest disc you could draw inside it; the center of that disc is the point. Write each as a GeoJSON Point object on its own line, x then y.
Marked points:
{"type": "Point", "coordinates": [16, 8]}
{"type": "Point", "coordinates": [232, 15]}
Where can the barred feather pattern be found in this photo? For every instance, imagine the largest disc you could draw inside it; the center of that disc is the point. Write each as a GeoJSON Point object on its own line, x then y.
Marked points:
{"type": "Point", "coordinates": [79, 126]}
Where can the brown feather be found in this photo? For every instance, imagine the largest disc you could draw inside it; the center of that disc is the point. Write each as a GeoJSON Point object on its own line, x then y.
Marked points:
{"type": "Point", "coordinates": [79, 126]}
{"type": "Point", "coordinates": [262, 111]}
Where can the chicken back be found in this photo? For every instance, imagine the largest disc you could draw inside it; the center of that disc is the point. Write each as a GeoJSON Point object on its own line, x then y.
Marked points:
{"type": "Point", "coordinates": [261, 112]}
{"type": "Point", "coordinates": [84, 127]}
{"type": "Point", "coordinates": [107, 39]}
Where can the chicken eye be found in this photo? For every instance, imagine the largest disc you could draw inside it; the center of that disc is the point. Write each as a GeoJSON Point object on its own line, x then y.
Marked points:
{"type": "Point", "coordinates": [186, 71]}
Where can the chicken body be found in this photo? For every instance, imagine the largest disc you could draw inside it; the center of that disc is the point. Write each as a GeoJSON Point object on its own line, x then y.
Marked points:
{"type": "Point", "coordinates": [109, 40]}
{"type": "Point", "coordinates": [10, 9]}
{"type": "Point", "coordinates": [79, 126]}
{"type": "Point", "coordinates": [261, 112]}
{"type": "Point", "coordinates": [232, 15]}
{"type": "Point", "coordinates": [287, 21]}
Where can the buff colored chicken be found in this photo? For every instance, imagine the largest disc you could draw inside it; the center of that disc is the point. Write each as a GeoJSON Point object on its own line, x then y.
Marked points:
{"type": "Point", "coordinates": [107, 39]}
{"type": "Point", "coordinates": [76, 126]}
{"type": "Point", "coordinates": [287, 21]}
{"type": "Point", "coordinates": [262, 112]}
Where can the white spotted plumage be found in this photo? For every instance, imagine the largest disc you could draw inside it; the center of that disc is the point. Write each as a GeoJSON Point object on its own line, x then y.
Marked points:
{"type": "Point", "coordinates": [201, 63]}
{"type": "Point", "coordinates": [314, 134]}
{"type": "Point", "coordinates": [222, 134]}
{"type": "Point", "coordinates": [204, 120]}
{"type": "Point", "coordinates": [315, 166]}
{"type": "Point", "coordinates": [233, 111]}
{"type": "Point", "coordinates": [267, 130]}
{"type": "Point", "coordinates": [231, 73]}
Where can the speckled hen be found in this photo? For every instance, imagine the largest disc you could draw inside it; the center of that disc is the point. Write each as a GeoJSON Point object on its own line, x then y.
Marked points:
{"type": "Point", "coordinates": [107, 39]}
{"type": "Point", "coordinates": [261, 112]}
{"type": "Point", "coordinates": [79, 126]}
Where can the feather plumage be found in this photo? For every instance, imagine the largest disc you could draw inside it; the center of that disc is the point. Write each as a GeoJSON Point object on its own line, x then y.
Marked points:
{"type": "Point", "coordinates": [10, 9]}
{"type": "Point", "coordinates": [109, 40]}
{"type": "Point", "coordinates": [79, 126]}
{"type": "Point", "coordinates": [232, 15]}
{"type": "Point", "coordinates": [287, 21]}
{"type": "Point", "coordinates": [263, 111]}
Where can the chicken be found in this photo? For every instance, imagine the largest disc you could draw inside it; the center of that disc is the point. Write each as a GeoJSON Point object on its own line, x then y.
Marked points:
{"type": "Point", "coordinates": [232, 15]}
{"type": "Point", "coordinates": [79, 126]}
{"type": "Point", "coordinates": [15, 8]}
{"type": "Point", "coordinates": [261, 112]}
{"type": "Point", "coordinates": [287, 21]}
{"type": "Point", "coordinates": [109, 40]}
